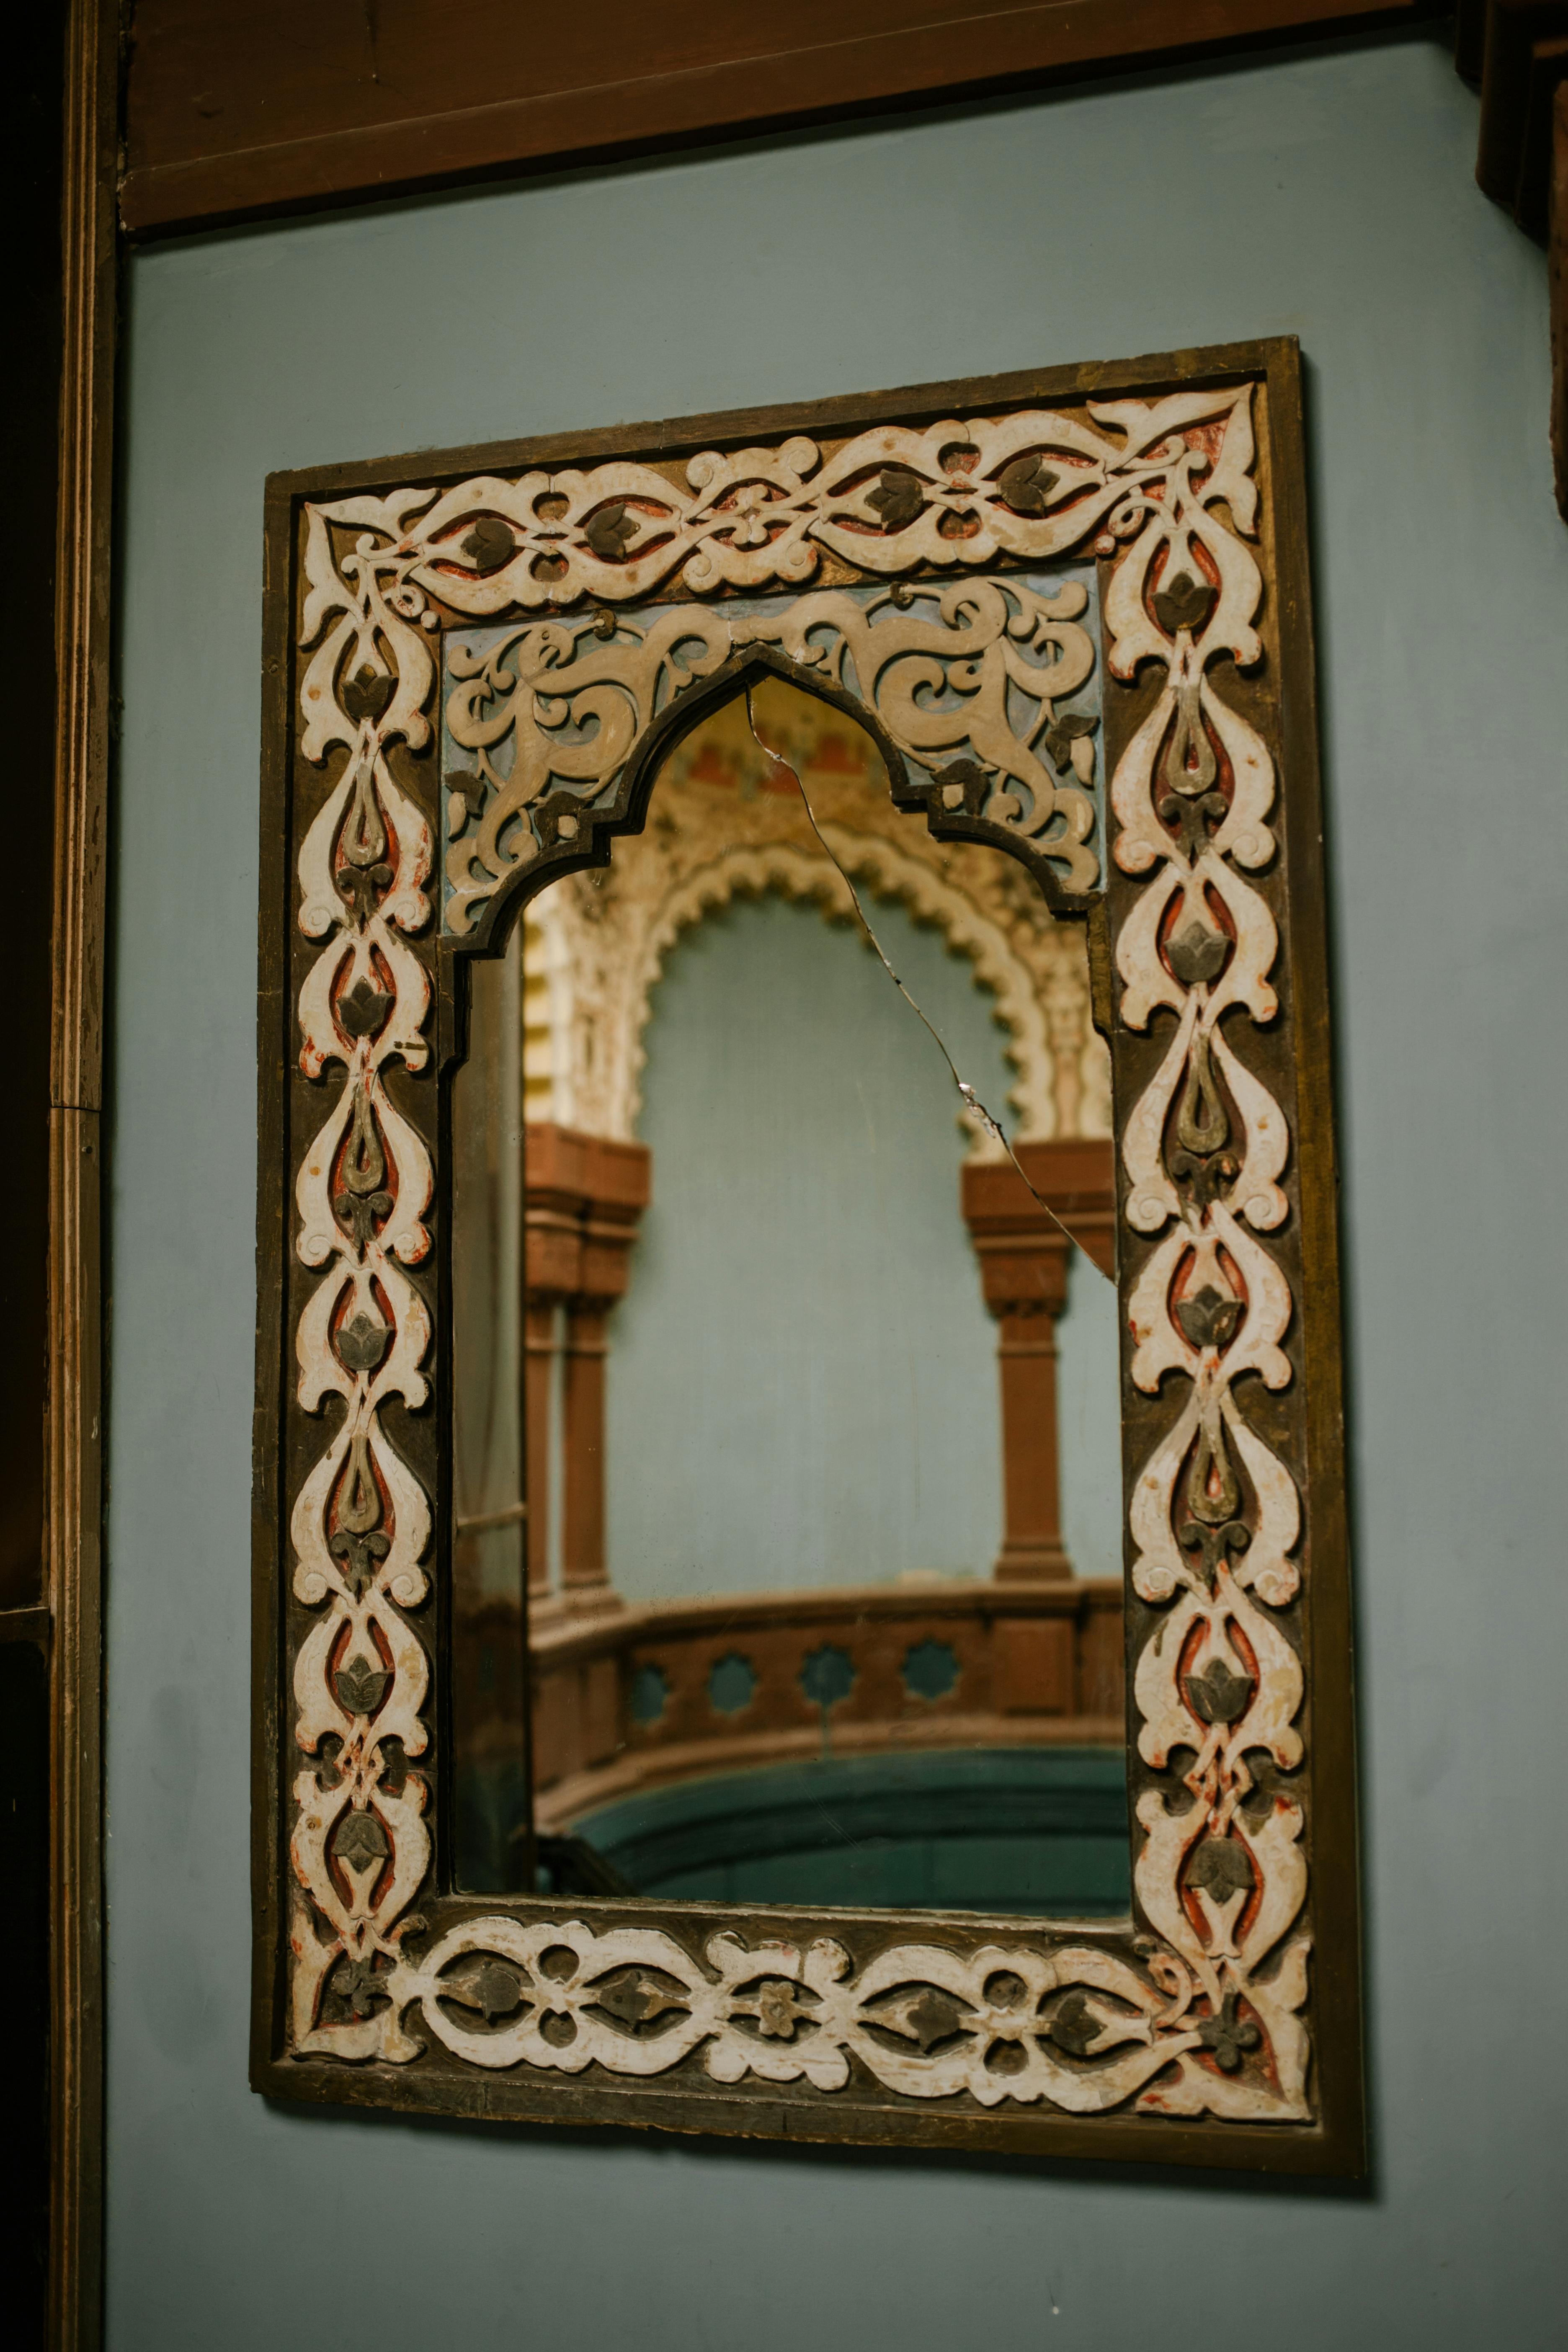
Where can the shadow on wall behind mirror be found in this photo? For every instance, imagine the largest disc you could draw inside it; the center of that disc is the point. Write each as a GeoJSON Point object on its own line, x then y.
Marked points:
{"type": "Point", "coordinates": [817, 1401]}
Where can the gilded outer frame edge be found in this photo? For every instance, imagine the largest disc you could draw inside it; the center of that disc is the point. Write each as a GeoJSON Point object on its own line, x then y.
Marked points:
{"type": "Point", "coordinates": [1334, 2144]}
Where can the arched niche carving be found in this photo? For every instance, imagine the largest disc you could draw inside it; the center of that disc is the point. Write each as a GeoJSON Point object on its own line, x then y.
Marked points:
{"type": "Point", "coordinates": [602, 703]}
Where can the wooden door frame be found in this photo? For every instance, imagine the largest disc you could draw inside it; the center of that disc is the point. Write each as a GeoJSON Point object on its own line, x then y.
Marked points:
{"type": "Point", "coordinates": [73, 1546]}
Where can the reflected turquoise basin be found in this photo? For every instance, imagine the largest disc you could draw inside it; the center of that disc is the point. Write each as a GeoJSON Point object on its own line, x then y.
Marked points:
{"type": "Point", "coordinates": [1009, 1830]}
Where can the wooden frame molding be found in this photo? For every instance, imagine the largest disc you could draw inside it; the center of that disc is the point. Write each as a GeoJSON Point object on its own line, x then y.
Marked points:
{"type": "Point", "coordinates": [1132, 531]}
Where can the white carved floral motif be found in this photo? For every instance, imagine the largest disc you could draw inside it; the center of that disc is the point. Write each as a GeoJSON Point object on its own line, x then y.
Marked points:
{"type": "Point", "coordinates": [1026, 487]}
{"type": "Point", "coordinates": [1207, 2020]}
{"type": "Point", "coordinates": [922, 2019]}
{"type": "Point", "coordinates": [361, 1521]}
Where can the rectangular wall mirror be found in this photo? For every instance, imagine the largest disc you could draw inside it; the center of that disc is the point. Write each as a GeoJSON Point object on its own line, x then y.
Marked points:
{"type": "Point", "coordinates": [800, 1552]}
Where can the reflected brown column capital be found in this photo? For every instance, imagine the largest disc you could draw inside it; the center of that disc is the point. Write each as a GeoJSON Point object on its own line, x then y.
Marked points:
{"type": "Point", "coordinates": [1024, 1270]}
{"type": "Point", "coordinates": [584, 1195]}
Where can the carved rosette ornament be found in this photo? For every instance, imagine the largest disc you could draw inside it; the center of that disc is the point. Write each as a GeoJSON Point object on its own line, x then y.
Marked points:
{"type": "Point", "coordinates": [1201, 2013]}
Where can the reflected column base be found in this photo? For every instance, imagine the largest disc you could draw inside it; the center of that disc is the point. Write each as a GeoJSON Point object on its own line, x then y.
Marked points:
{"type": "Point", "coordinates": [1034, 1564]}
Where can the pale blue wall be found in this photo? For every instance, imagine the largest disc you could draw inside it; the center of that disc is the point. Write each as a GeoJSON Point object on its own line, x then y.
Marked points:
{"type": "Point", "coordinates": [1330, 197]}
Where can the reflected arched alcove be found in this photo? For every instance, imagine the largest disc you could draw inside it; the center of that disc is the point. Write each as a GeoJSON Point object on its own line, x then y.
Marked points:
{"type": "Point", "coordinates": [761, 1331]}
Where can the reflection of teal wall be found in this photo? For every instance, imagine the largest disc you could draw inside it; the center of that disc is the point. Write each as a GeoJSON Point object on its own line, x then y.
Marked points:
{"type": "Point", "coordinates": [803, 1388]}
{"type": "Point", "coordinates": [1330, 194]}
{"type": "Point", "coordinates": [1020, 1830]}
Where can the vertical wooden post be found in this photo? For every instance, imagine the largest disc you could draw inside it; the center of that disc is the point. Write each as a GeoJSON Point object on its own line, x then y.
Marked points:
{"type": "Point", "coordinates": [585, 1196]}
{"type": "Point", "coordinates": [1024, 1256]}
{"type": "Point", "coordinates": [553, 1227]}
{"type": "Point", "coordinates": [584, 1579]}
{"type": "Point", "coordinates": [538, 1376]}
{"type": "Point", "coordinates": [82, 630]}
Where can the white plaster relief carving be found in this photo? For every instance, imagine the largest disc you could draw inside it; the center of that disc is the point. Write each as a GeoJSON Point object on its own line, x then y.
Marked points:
{"type": "Point", "coordinates": [1028, 486]}
{"type": "Point", "coordinates": [923, 2020]}
{"type": "Point", "coordinates": [1191, 796]}
{"type": "Point", "coordinates": [967, 679]}
{"type": "Point", "coordinates": [1208, 2022]}
{"type": "Point", "coordinates": [361, 1521]}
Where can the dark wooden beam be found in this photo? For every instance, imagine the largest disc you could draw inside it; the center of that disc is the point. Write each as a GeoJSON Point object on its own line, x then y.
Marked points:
{"type": "Point", "coordinates": [237, 109]}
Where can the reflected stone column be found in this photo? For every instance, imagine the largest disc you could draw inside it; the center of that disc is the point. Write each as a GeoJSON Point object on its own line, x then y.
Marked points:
{"type": "Point", "coordinates": [585, 1195]}
{"type": "Point", "coordinates": [1023, 1260]}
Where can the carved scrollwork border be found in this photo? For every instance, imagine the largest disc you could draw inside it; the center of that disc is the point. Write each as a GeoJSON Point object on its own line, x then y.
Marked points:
{"type": "Point", "coordinates": [1222, 2025]}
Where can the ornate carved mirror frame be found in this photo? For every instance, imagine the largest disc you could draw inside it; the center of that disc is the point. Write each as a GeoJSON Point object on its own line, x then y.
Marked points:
{"type": "Point", "coordinates": [881, 551]}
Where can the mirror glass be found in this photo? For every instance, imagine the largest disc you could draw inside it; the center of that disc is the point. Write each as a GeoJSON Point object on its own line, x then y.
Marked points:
{"type": "Point", "coordinates": [817, 1599]}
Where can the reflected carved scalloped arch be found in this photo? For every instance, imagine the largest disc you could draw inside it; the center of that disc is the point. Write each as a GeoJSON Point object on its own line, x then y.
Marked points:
{"type": "Point", "coordinates": [593, 983]}
{"type": "Point", "coordinates": [885, 872]}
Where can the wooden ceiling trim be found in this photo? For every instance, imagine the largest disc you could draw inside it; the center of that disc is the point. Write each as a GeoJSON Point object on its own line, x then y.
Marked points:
{"type": "Point", "coordinates": [236, 113]}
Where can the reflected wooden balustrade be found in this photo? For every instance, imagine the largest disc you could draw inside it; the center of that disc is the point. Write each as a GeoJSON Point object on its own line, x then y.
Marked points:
{"type": "Point", "coordinates": [623, 1698]}
{"type": "Point", "coordinates": [651, 1696]}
